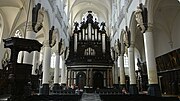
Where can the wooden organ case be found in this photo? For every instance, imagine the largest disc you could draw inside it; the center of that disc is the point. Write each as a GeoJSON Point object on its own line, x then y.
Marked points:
{"type": "Point", "coordinates": [89, 63]}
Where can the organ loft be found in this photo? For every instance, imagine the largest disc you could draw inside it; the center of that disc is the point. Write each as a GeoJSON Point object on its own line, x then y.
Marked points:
{"type": "Point", "coordinates": [85, 50]}
{"type": "Point", "coordinates": [89, 63]}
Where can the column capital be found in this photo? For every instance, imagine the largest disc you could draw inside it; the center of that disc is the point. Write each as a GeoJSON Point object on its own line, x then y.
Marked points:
{"type": "Point", "coordinates": [150, 27]}
{"type": "Point", "coordinates": [131, 48]}
{"type": "Point", "coordinates": [29, 26]}
{"type": "Point", "coordinates": [56, 52]}
{"type": "Point", "coordinates": [46, 43]}
{"type": "Point", "coordinates": [132, 44]}
{"type": "Point", "coordinates": [121, 55]}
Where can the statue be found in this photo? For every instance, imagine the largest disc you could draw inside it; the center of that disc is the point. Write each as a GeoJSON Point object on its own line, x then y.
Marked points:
{"type": "Point", "coordinates": [40, 18]}
{"type": "Point", "coordinates": [103, 26]}
{"type": "Point", "coordinates": [139, 19]}
{"type": "Point", "coordinates": [96, 23]}
{"type": "Point", "coordinates": [126, 37]}
{"type": "Point", "coordinates": [60, 50]}
{"type": "Point", "coordinates": [5, 60]}
{"type": "Point", "coordinates": [139, 64]}
{"type": "Point", "coordinates": [52, 36]}
{"type": "Point", "coordinates": [76, 26]}
{"type": "Point", "coordinates": [34, 15]}
{"type": "Point", "coordinates": [112, 53]}
{"type": "Point", "coordinates": [90, 17]}
{"type": "Point", "coordinates": [117, 47]}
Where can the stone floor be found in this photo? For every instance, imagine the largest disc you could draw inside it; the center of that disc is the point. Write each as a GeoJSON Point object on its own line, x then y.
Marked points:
{"type": "Point", "coordinates": [97, 97]}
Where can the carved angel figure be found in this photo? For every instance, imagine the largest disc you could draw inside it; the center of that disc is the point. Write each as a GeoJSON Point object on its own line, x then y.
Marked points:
{"type": "Point", "coordinates": [40, 18]}
{"type": "Point", "coordinates": [53, 40]}
{"type": "Point", "coordinates": [116, 47]}
{"type": "Point", "coordinates": [139, 19]}
{"type": "Point", "coordinates": [112, 53]}
{"type": "Point", "coordinates": [125, 38]}
{"type": "Point", "coordinates": [5, 60]}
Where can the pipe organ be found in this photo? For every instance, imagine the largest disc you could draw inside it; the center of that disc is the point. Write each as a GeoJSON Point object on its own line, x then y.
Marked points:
{"type": "Point", "coordinates": [90, 50]}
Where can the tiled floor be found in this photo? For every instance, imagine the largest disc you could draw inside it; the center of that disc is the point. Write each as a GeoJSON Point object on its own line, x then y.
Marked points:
{"type": "Point", "coordinates": [90, 97]}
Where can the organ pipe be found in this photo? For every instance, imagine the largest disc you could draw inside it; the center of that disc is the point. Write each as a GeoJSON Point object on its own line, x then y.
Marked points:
{"type": "Point", "coordinates": [83, 33]}
{"type": "Point", "coordinates": [79, 35]}
{"type": "Point", "coordinates": [95, 34]}
{"type": "Point", "coordinates": [99, 36]}
{"type": "Point", "coordinates": [103, 43]}
{"type": "Point", "coordinates": [89, 31]}
{"type": "Point", "coordinates": [75, 42]}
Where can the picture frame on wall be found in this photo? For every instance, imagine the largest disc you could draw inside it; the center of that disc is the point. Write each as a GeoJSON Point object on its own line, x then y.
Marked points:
{"type": "Point", "coordinates": [166, 62]}
{"type": "Point", "coordinates": [159, 64]}
{"type": "Point", "coordinates": [173, 56]}
{"type": "Point", "coordinates": [178, 57]}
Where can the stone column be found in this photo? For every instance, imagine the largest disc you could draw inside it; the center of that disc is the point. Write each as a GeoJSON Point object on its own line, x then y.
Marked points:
{"type": "Point", "coordinates": [46, 66]}
{"type": "Point", "coordinates": [35, 62]}
{"type": "Point", "coordinates": [154, 89]}
{"type": "Point", "coordinates": [133, 85]}
{"type": "Point", "coordinates": [63, 73]}
{"type": "Point", "coordinates": [30, 34]}
{"type": "Point", "coordinates": [121, 62]}
{"type": "Point", "coordinates": [20, 55]}
{"type": "Point", "coordinates": [115, 72]}
{"type": "Point", "coordinates": [56, 86]}
{"type": "Point", "coordinates": [122, 72]}
{"type": "Point", "coordinates": [67, 78]}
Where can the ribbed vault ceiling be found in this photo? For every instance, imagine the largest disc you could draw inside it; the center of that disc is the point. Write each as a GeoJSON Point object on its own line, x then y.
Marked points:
{"type": "Point", "coordinates": [101, 7]}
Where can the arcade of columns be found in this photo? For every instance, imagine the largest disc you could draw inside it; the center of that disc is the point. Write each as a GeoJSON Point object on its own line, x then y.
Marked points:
{"type": "Point", "coordinates": [150, 58]}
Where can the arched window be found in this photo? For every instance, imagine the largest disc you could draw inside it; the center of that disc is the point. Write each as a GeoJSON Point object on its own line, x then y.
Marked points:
{"type": "Point", "coordinates": [125, 61]}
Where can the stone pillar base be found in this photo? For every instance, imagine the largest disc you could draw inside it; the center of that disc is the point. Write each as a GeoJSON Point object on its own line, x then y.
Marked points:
{"type": "Point", "coordinates": [133, 90]}
{"type": "Point", "coordinates": [44, 90]}
{"type": "Point", "coordinates": [116, 86]}
{"type": "Point", "coordinates": [121, 86]}
{"type": "Point", "coordinates": [56, 88]}
{"type": "Point", "coordinates": [154, 90]}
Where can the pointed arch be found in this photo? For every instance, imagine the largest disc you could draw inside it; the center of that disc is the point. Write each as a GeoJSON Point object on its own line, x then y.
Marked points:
{"type": "Point", "coordinates": [133, 27]}
{"type": "Point", "coordinates": [46, 25]}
